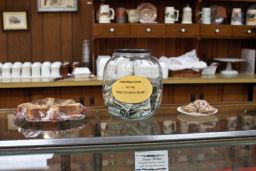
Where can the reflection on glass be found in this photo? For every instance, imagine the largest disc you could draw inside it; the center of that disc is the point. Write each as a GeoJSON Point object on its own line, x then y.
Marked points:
{"type": "Point", "coordinates": [65, 129]}
{"type": "Point", "coordinates": [248, 122]}
{"type": "Point", "coordinates": [25, 162]}
{"type": "Point", "coordinates": [196, 123]}
{"type": "Point", "coordinates": [169, 126]}
{"type": "Point", "coordinates": [116, 127]}
{"type": "Point", "coordinates": [232, 123]}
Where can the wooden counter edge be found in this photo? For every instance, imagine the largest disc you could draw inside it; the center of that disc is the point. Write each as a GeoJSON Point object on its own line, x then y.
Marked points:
{"type": "Point", "coordinates": [240, 79]}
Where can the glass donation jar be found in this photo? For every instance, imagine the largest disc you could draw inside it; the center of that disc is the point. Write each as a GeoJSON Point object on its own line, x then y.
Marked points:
{"type": "Point", "coordinates": [133, 85]}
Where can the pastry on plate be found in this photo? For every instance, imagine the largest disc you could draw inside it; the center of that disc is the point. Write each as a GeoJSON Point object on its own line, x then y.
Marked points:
{"type": "Point", "coordinates": [199, 106]}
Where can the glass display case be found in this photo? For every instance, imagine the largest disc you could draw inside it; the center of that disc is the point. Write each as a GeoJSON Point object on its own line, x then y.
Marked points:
{"type": "Point", "coordinates": [222, 141]}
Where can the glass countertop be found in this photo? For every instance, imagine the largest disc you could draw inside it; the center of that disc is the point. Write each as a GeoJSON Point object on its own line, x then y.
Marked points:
{"type": "Point", "coordinates": [233, 123]}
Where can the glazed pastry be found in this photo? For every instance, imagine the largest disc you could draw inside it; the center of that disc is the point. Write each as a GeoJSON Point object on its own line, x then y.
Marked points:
{"type": "Point", "coordinates": [200, 106]}
{"type": "Point", "coordinates": [190, 108]}
{"type": "Point", "coordinates": [50, 109]}
{"type": "Point", "coordinates": [207, 109]}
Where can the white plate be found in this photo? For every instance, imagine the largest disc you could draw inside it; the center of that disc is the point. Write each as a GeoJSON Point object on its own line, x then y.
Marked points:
{"type": "Point", "coordinates": [147, 12]}
{"type": "Point", "coordinates": [179, 109]}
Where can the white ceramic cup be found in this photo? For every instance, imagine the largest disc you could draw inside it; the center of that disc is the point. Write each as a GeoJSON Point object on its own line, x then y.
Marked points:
{"type": "Point", "coordinates": [6, 70]}
{"type": "Point", "coordinates": [133, 15]}
{"type": "Point", "coordinates": [106, 14]}
{"type": "Point", "coordinates": [251, 17]}
{"type": "Point", "coordinates": [16, 70]}
{"type": "Point", "coordinates": [169, 126]}
{"type": "Point", "coordinates": [26, 69]}
{"type": "Point", "coordinates": [171, 15]}
{"type": "Point", "coordinates": [206, 15]}
{"type": "Point", "coordinates": [55, 69]}
{"type": "Point", "coordinates": [165, 69]}
{"type": "Point", "coordinates": [36, 69]}
{"type": "Point", "coordinates": [46, 69]}
{"type": "Point", "coordinates": [236, 17]}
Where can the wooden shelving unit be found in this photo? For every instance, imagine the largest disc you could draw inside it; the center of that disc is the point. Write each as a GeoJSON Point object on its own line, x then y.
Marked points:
{"type": "Point", "coordinates": [59, 36]}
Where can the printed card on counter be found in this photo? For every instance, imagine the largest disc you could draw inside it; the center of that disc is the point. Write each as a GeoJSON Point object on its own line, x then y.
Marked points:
{"type": "Point", "coordinates": [151, 160]}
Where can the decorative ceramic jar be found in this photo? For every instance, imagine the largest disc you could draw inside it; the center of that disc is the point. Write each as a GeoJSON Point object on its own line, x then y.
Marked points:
{"type": "Point", "coordinates": [132, 86]}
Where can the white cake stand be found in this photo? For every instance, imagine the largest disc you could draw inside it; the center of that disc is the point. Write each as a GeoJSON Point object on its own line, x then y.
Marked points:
{"type": "Point", "coordinates": [229, 71]}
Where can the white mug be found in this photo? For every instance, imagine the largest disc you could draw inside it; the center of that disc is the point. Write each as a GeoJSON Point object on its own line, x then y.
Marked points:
{"type": "Point", "coordinates": [171, 15]}
{"type": "Point", "coordinates": [46, 69]}
{"type": "Point", "coordinates": [6, 70]}
{"type": "Point", "coordinates": [16, 69]}
{"type": "Point", "coordinates": [165, 69]}
{"type": "Point", "coordinates": [206, 15]}
{"type": "Point", "coordinates": [133, 15]}
{"type": "Point", "coordinates": [36, 69]}
{"type": "Point", "coordinates": [236, 17]}
{"type": "Point", "coordinates": [106, 14]}
{"type": "Point", "coordinates": [251, 17]}
{"type": "Point", "coordinates": [26, 69]}
{"type": "Point", "coordinates": [55, 69]}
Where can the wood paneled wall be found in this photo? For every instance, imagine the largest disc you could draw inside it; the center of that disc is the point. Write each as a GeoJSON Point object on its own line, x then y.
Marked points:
{"type": "Point", "coordinates": [51, 36]}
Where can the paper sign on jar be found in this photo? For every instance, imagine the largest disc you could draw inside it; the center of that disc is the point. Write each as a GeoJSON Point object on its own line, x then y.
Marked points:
{"type": "Point", "coordinates": [132, 89]}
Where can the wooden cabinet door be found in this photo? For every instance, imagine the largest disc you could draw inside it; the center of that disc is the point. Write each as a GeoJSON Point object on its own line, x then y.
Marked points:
{"type": "Point", "coordinates": [147, 30]}
{"type": "Point", "coordinates": [183, 93]}
{"type": "Point", "coordinates": [235, 92]}
{"type": "Point", "coordinates": [182, 30]}
{"type": "Point", "coordinates": [215, 31]}
{"type": "Point", "coordinates": [212, 92]}
{"type": "Point", "coordinates": [254, 93]}
{"type": "Point", "coordinates": [111, 30]}
{"type": "Point", "coordinates": [244, 31]}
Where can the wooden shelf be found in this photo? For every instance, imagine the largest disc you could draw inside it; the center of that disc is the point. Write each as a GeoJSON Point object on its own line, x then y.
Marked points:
{"type": "Point", "coordinates": [71, 82]}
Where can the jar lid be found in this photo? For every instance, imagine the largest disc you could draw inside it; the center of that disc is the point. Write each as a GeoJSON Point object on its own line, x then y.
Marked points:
{"type": "Point", "coordinates": [133, 50]}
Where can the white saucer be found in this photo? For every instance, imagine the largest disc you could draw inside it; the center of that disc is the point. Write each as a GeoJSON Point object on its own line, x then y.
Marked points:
{"type": "Point", "coordinates": [179, 109]}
